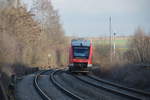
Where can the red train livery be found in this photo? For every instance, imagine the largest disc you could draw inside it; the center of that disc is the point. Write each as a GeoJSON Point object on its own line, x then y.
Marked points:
{"type": "Point", "coordinates": [80, 55]}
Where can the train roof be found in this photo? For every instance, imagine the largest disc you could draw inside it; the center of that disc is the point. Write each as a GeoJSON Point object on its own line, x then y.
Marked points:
{"type": "Point", "coordinates": [81, 43]}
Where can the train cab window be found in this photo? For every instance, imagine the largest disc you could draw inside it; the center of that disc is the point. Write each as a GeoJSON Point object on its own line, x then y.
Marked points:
{"type": "Point", "coordinates": [81, 52]}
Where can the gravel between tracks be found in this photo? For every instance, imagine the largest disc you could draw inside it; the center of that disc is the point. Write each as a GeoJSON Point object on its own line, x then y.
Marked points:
{"type": "Point", "coordinates": [50, 89]}
{"type": "Point", "coordinates": [84, 90]}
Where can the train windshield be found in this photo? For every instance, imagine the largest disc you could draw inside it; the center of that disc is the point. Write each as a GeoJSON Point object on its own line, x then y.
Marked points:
{"type": "Point", "coordinates": [81, 52]}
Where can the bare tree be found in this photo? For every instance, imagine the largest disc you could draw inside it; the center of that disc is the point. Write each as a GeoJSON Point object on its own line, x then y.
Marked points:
{"type": "Point", "coordinates": [29, 39]}
{"type": "Point", "coordinates": [139, 48]}
{"type": "Point", "coordinates": [49, 19]}
{"type": "Point", "coordinates": [53, 32]}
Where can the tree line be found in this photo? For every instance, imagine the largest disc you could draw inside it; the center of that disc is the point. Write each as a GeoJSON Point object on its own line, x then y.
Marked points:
{"type": "Point", "coordinates": [28, 36]}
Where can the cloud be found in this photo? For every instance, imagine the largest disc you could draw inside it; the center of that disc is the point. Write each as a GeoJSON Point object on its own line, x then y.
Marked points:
{"type": "Point", "coordinates": [90, 17]}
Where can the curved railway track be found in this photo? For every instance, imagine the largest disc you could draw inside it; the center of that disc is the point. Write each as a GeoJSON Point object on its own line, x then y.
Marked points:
{"type": "Point", "coordinates": [115, 88]}
{"type": "Point", "coordinates": [63, 89]}
{"type": "Point", "coordinates": [38, 88]}
{"type": "Point", "coordinates": [110, 87]}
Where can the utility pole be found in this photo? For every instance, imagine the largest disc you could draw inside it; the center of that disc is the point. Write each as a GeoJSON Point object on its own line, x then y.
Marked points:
{"type": "Point", "coordinates": [114, 47]}
{"type": "Point", "coordinates": [110, 40]}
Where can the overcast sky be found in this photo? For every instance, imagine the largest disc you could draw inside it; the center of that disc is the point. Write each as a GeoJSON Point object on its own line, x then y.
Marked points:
{"type": "Point", "coordinates": [91, 17]}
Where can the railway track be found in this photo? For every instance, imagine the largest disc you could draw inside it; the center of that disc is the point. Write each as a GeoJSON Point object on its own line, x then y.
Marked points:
{"type": "Point", "coordinates": [44, 95]}
{"type": "Point", "coordinates": [38, 88]}
{"type": "Point", "coordinates": [120, 86]}
{"type": "Point", "coordinates": [63, 89]}
{"type": "Point", "coordinates": [114, 88]}
{"type": "Point", "coordinates": [101, 84]}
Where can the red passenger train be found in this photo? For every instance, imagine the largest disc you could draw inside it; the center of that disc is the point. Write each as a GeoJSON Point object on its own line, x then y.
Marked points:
{"type": "Point", "coordinates": [80, 55]}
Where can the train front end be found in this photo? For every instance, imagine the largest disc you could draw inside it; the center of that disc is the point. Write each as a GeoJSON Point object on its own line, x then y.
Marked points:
{"type": "Point", "coordinates": [80, 56]}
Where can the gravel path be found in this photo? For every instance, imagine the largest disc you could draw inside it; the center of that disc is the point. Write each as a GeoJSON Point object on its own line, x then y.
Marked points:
{"type": "Point", "coordinates": [1, 92]}
{"type": "Point", "coordinates": [25, 89]}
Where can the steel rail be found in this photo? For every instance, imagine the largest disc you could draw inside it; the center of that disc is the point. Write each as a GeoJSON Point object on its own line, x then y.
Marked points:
{"type": "Point", "coordinates": [56, 83]}
{"type": "Point", "coordinates": [120, 86]}
{"type": "Point", "coordinates": [108, 89]}
{"type": "Point", "coordinates": [37, 87]}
